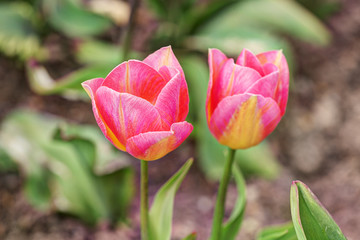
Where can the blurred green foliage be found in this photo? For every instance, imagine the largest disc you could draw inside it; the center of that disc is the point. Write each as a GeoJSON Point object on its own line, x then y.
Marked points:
{"type": "Point", "coordinates": [68, 168]}
{"type": "Point", "coordinates": [321, 8]}
{"type": "Point", "coordinates": [190, 26]}
{"type": "Point", "coordinates": [24, 24]}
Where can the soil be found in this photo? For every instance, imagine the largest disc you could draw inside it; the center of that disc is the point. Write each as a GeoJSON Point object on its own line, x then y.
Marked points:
{"type": "Point", "coordinates": [317, 142]}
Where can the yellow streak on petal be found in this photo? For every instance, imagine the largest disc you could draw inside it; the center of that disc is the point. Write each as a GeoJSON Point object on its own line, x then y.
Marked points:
{"type": "Point", "coordinates": [112, 136]}
{"type": "Point", "coordinates": [277, 61]}
{"type": "Point", "coordinates": [88, 91]}
{"type": "Point", "coordinates": [245, 128]}
{"type": "Point", "coordinates": [159, 149]}
{"type": "Point", "coordinates": [121, 117]}
{"type": "Point", "coordinates": [231, 83]}
{"type": "Point", "coordinates": [114, 139]}
{"type": "Point", "coordinates": [165, 61]}
{"type": "Point", "coordinates": [127, 77]}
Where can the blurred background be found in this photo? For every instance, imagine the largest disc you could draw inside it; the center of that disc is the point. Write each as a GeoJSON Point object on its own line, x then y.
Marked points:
{"type": "Point", "coordinates": [61, 179]}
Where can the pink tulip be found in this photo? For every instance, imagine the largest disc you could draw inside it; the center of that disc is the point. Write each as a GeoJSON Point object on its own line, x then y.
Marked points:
{"type": "Point", "coordinates": [141, 106]}
{"type": "Point", "coordinates": [246, 99]}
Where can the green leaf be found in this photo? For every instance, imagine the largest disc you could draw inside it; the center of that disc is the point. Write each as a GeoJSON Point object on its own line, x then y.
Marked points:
{"type": "Point", "coordinates": [281, 232]}
{"type": "Point", "coordinates": [191, 236]}
{"type": "Point", "coordinates": [69, 85]}
{"type": "Point", "coordinates": [118, 187]}
{"type": "Point", "coordinates": [284, 16]}
{"type": "Point", "coordinates": [197, 75]}
{"type": "Point", "coordinates": [232, 42]}
{"type": "Point", "coordinates": [20, 136]}
{"type": "Point", "coordinates": [159, 7]}
{"type": "Point", "coordinates": [321, 8]}
{"type": "Point", "coordinates": [160, 215]}
{"type": "Point", "coordinates": [101, 53]}
{"type": "Point", "coordinates": [231, 228]}
{"type": "Point", "coordinates": [73, 167]}
{"type": "Point", "coordinates": [311, 220]}
{"type": "Point", "coordinates": [73, 20]}
{"type": "Point", "coordinates": [6, 163]}
{"type": "Point", "coordinates": [18, 36]}
{"type": "Point", "coordinates": [37, 190]}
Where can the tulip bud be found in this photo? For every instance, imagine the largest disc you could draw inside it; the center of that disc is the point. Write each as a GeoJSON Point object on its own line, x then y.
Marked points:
{"type": "Point", "coordinates": [141, 106]}
{"type": "Point", "coordinates": [311, 220]}
{"type": "Point", "coordinates": [246, 100]}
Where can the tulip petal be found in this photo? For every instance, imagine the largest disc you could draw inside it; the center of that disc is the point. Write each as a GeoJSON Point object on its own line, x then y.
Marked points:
{"type": "Point", "coordinates": [125, 114]}
{"type": "Point", "coordinates": [168, 74]}
{"type": "Point", "coordinates": [232, 79]}
{"type": "Point", "coordinates": [173, 101]}
{"type": "Point", "coordinates": [163, 57]}
{"type": "Point", "coordinates": [91, 86]}
{"type": "Point", "coordinates": [154, 145]}
{"type": "Point", "coordinates": [279, 60]}
{"type": "Point", "coordinates": [265, 86]}
{"type": "Point", "coordinates": [217, 60]}
{"type": "Point", "coordinates": [136, 78]}
{"type": "Point", "coordinates": [244, 120]}
{"type": "Point", "coordinates": [248, 59]}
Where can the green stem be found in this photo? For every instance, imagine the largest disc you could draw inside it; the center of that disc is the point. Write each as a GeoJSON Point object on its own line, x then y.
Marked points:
{"type": "Point", "coordinates": [221, 197]}
{"type": "Point", "coordinates": [144, 205]}
{"type": "Point", "coordinates": [127, 40]}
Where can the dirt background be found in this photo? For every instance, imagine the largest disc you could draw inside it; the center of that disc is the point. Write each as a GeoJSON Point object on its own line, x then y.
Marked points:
{"type": "Point", "coordinates": [318, 142]}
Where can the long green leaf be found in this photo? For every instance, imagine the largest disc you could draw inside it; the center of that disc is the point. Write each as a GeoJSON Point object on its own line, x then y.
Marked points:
{"type": "Point", "coordinates": [311, 220]}
{"type": "Point", "coordinates": [231, 228]}
{"type": "Point", "coordinates": [160, 215]}
{"type": "Point", "coordinates": [72, 167]}
{"type": "Point", "coordinates": [281, 232]}
{"type": "Point", "coordinates": [18, 36]}
{"type": "Point", "coordinates": [284, 16]}
{"type": "Point", "coordinates": [73, 20]}
{"type": "Point", "coordinates": [191, 236]}
{"type": "Point", "coordinates": [69, 85]}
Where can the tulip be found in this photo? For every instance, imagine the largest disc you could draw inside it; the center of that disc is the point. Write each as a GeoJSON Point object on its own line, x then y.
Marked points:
{"type": "Point", "coordinates": [246, 99]}
{"type": "Point", "coordinates": [141, 106]}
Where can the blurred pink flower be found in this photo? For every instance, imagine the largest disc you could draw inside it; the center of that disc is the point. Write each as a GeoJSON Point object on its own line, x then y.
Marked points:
{"type": "Point", "coordinates": [246, 100]}
{"type": "Point", "coordinates": [141, 106]}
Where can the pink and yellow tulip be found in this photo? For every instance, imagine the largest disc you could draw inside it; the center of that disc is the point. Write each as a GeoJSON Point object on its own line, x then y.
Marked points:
{"type": "Point", "coordinates": [246, 99]}
{"type": "Point", "coordinates": [141, 106]}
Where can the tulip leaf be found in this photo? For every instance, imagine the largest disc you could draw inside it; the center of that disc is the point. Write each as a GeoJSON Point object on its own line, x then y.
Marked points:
{"type": "Point", "coordinates": [311, 220]}
{"type": "Point", "coordinates": [73, 20]}
{"type": "Point", "coordinates": [69, 85]}
{"type": "Point", "coordinates": [18, 35]}
{"type": "Point", "coordinates": [160, 215]}
{"type": "Point", "coordinates": [281, 232]}
{"type": "Point", "coordinates": [101, 53]}
{"type": "Point", "coordinates": [233, 42]}
{"type": "Point", "coordinates": [159, 7]}
{"type": "Point", "coordinates": [191, 236]}
{"type": "Point", "coordinates": [73, 167]}
{"type": "Point", "coordinates": [284, 16]}
{"type": "Point", "coordinates": [231, 228]}
{"type": "Point", "coordinates": [6, 163]}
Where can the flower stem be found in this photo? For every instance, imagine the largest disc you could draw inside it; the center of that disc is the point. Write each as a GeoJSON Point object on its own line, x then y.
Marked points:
{"type": "Point", "coordinates": [144, 206]}
{"type": "Point", "coordinates": [221, 197]}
